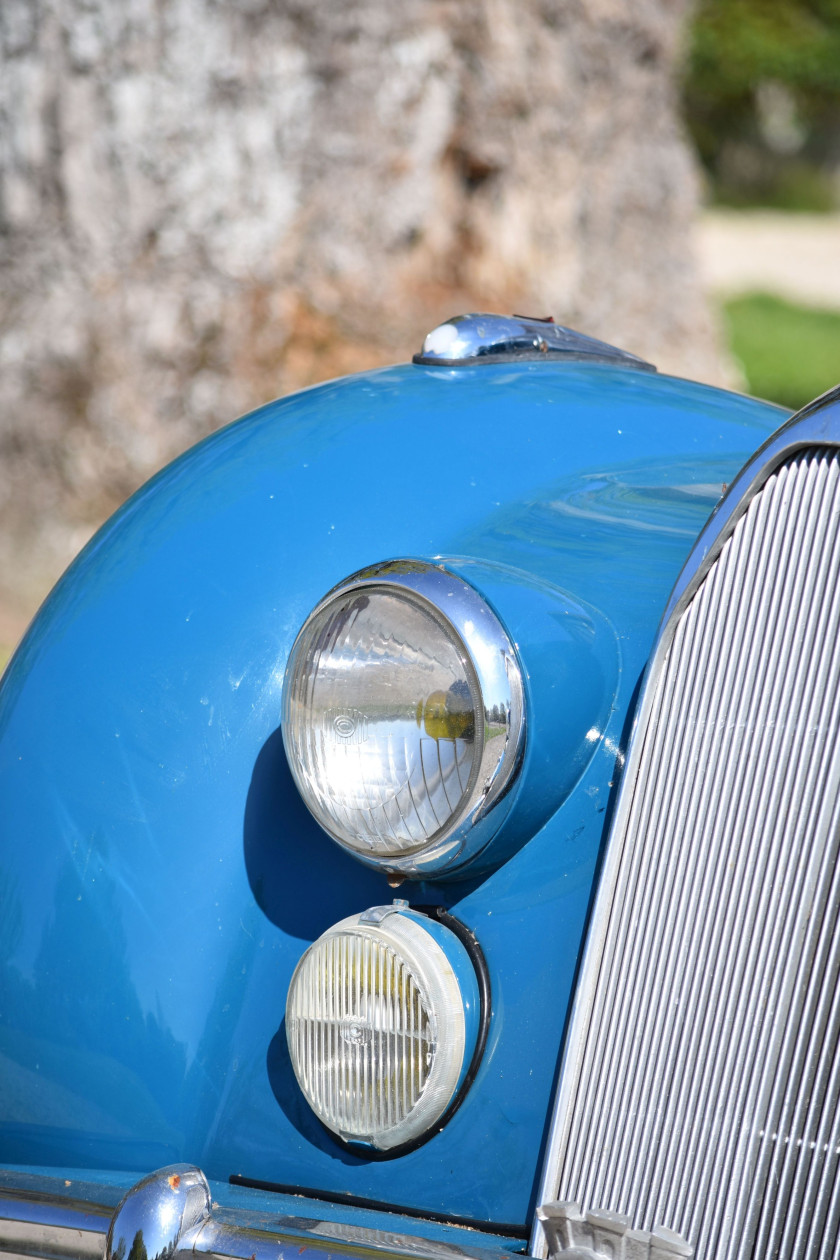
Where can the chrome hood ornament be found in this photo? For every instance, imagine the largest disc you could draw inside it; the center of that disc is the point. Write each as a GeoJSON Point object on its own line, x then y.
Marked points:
{"type": "Point", "coordinates": [502, 338]}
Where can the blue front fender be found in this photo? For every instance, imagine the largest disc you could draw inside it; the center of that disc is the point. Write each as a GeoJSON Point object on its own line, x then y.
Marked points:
{"type": "Point", "coordinates": [159, 875]}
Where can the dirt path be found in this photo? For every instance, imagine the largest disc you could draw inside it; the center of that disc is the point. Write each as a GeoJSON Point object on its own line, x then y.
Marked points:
{"type": "Point", "coordinates": [796, 256]}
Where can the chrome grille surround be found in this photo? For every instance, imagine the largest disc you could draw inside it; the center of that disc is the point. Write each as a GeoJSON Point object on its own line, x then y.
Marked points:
{"type": "Point", "coordinates": [701, 1076]}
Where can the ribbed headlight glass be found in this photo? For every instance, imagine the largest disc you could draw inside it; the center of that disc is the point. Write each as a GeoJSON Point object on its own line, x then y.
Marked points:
{"type": "Point", "coordinates": [388, 731]}
{"type": "Point", "coordinates": [378, 1027]}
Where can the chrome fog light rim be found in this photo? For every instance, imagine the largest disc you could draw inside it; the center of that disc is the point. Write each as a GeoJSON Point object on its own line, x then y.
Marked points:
{"type": "Point", "coordinates": [495, 682]}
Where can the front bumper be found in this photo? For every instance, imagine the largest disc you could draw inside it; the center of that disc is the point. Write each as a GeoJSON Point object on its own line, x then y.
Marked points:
{"type": "Point", "coordinates": [176, 1212]}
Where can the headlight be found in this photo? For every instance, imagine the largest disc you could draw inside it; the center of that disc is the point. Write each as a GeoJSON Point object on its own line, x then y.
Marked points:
{"type": "Point", "coordinates": [403, 716]}
{"type": "Point", "coordinates": [381, 1021]}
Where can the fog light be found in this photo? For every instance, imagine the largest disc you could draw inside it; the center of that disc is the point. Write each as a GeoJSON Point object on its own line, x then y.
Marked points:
{"type": "Point", "coordinates": [381, 1021]}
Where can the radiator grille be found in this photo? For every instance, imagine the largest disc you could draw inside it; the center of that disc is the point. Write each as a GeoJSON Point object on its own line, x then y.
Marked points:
{"type": "Point", "coordinates": [708, 1073]}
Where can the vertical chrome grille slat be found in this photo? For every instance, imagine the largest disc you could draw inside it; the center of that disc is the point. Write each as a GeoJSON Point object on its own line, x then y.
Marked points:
{"type": "Point", "coordinates": [805, 798]}
{"type": "Point", "coordinates": [795, 1196]}
{"type": "Point", "coordinates": [778, 941]}
{"type": "Point", "coordinates": [698, 612]}
{"type": "Point", "coordinates": [655, 801]}
{"type": "Point", "coordinates": [704, 1084]}
{"type": "Point", "coordinates": [700, 931]}
{"type": "Point", "coordinates": [816, 997]}
{"type": "Point", "coordinates": [712, 737]}
{"type": "Point", "coordinates": [741, 963]}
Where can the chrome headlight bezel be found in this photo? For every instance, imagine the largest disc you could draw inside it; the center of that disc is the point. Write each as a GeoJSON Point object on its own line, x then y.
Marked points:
{"type": "Point", "coordinates": [491, 662]}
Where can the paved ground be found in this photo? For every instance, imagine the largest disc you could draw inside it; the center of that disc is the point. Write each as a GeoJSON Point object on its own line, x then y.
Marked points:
{"type": "Point", "coordinates": [796, 256]}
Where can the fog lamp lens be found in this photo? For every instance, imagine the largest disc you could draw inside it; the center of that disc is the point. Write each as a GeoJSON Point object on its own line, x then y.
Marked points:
{"type": "Point", "coordinates": [381, 1023]}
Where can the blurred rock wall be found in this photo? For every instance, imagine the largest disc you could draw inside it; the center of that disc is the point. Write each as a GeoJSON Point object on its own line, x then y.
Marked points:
{"type": "Point", "coordinates": [205, 204]}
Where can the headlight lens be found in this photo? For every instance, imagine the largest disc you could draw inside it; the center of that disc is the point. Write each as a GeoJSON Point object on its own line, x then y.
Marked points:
{"type": "Point", "coordinates": [385, 721]}
{"type": "Point", "coordinates": [381, 1023]}
{"type": "Point", "coordinates": [402, 714]}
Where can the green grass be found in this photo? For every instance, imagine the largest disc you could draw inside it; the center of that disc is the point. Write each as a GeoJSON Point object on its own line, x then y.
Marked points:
{"type": "Point", "coordinates": [789, 353]}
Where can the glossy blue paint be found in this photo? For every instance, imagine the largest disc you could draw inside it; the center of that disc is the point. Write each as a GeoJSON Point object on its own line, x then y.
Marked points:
{"type": "Point", "coordinates": [568, 654]}
{"type": "Point", "coordinates": [160, 877]}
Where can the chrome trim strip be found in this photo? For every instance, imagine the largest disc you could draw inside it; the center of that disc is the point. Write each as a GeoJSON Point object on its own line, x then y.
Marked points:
{"type": "Point", "coordinates": [229, 1241]}
{"type": "Point", "coordinates": [175, 1211]}
{"type": "Point", "coordinates": [40, 1223]}
{"type": "Point", "coordinates": [815, 426]}
{"type": "Point", "coordinates": [34, 1228]}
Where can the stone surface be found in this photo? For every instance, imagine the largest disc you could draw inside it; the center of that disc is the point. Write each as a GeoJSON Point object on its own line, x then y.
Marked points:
{"type": "Point", "coordinates": [205, 205]}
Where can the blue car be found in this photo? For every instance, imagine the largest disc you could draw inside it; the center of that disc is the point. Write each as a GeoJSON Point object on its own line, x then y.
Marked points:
{"type": "Point", "coordinates": [384, 872]}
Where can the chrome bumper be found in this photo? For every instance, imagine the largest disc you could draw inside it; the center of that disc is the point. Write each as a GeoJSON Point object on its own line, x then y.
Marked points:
{"type": "Point", "coordinates": [173, 1213]}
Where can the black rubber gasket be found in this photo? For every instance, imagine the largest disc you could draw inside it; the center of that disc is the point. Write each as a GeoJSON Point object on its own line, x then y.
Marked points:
{"type": "Point", "coordinates": [374, 1205]}
{"type": "Point", "coordinates": [485, 1004]}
